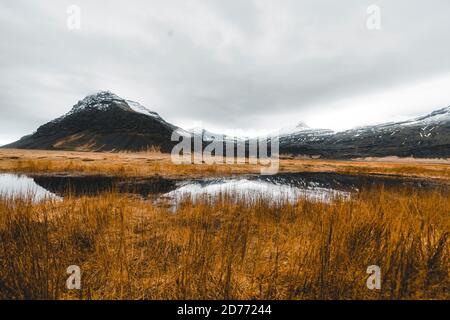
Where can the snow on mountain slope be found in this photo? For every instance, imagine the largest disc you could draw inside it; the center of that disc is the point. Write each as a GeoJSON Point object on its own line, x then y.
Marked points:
{"type": "Point", "coordinates": [425, 124]}
{"type": "Point", "coordinates": [100, 101]}
{"type": "Point", "coordinates": [137, 107]}
{"type": "Point", "coordinates": [301, 126]}
{"type": "Point", "coordinates": [103, 100]}
{"type": "Point", "coordinates": [210, 136]}
{"type": "Point", "coordinates": [302, 133]}
{"type": "Point", "coordinates": [435, 117]}
{"type": "Point", "coordinates": [425, 136]}
{"type": "Point", "coordinates": [303, 129]}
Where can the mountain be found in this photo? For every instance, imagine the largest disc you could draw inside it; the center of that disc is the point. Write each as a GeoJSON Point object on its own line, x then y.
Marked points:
{"type": "Point", "coordinates": [107, 122]}
{"type": "Point", "coordinates": [102, 122]}
{"type": "Point", "coordinates": [426, 136]}
{"type": "Point", "coordinates": [299, 127]}
{"type": "Point", "coordinates": [209, 136]}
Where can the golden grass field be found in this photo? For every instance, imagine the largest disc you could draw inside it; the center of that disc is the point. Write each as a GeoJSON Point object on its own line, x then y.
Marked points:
{"type": "Point", "coordinates": [129, 248]}
{"type": "Point", "coordinates": [154, 163]}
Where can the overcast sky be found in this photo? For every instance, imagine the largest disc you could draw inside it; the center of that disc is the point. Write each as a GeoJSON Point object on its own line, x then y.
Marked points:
{"type": "Point", "coordinates": [232, 66]}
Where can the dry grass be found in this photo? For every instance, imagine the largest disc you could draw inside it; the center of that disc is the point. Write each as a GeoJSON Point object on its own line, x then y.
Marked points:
{"type": "Point", "coordinates": [154, 163]}
{"type": "Point", "coordinates": [240, 249]}
{"type": "Point", "coordinates": [106, 163]}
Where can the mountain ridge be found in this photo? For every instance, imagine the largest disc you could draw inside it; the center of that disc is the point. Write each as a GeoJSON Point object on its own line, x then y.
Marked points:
{"type": "Point", "coordinates": [107, 122]}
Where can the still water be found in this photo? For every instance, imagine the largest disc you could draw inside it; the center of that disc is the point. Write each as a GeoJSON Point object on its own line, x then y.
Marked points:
{"type": "Point", "coordinates": [315, 186]}
{"type": "Point", "coordinates": [21, 185]}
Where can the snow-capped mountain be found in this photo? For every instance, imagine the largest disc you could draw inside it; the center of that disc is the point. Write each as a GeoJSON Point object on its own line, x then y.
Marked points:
{"type": "Point", "coordinates": [425, 136]}
{"type": "Point", "coordinates": [136, 106]}
{"type": "Point", "coordinates": [104, 100]}
{"type": "Point", "coordinates": [209, 136]}
{"type": "Point", "coordinates": [102, 122]}
{"type": "Point", "coordinates": [436, 117]}
{"type": "Point", "coordinates": [302, 134]}
{"type": "Point", "coordinates": [299, 127]}
{"type": "Point", "coordinates": [107, 122]}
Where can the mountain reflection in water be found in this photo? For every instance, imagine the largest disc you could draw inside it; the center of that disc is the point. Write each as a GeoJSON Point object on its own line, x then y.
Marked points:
{"type": "Point", "coordinates": [285, 186]}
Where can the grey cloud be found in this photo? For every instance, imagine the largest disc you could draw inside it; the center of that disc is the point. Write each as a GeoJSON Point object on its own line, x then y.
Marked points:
{"type": "Point", "coordinates": [226, 63]}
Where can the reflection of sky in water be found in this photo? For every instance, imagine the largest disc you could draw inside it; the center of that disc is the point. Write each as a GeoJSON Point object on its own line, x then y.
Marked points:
{"type": "Point", "coordinates": [20, 185]}
{"type": "Point", "coordinates": [252, 189]}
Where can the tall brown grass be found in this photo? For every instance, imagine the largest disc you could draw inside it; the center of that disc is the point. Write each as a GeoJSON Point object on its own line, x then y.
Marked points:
{"type": "Point", "coordinates": [231, 249]}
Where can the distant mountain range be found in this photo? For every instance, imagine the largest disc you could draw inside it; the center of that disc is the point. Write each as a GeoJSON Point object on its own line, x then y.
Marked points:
{"type": "Point", "coordinates": [107, 122]}
{"type": "Point", "coordinates": [422, 137]}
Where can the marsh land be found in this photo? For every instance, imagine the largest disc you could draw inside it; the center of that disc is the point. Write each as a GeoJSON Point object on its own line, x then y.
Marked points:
{"type": "Point", "coordinates": [141, 227]}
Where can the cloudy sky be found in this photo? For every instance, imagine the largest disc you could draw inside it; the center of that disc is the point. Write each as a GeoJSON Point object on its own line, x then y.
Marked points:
{"type": "Point", "coordinates": [234, 66]}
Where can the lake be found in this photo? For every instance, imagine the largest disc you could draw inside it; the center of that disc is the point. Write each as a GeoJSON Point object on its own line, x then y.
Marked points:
{"type": "Point", "coordinates": [285, 186]}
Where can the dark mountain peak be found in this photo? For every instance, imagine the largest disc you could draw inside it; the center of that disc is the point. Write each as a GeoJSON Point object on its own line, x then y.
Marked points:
{"type": "Point", "coordinates": [102, 101]}
{"type": "Point", "coordinates": [101, 97]}
{"type": "Point", "coordinates": [102, 122]}
{"type": "Point", "coordinates": [106, 100]}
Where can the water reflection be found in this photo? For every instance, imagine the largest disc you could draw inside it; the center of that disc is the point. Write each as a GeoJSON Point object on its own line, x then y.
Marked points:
{"type": "Point", "coordinates": [89, 185]}
{"type": "Point", "coordinates": [288, 186]}
{"type": "Point", "coordinates": [251, 188]}
{"type": "Point", "coordinates": [21, 185]}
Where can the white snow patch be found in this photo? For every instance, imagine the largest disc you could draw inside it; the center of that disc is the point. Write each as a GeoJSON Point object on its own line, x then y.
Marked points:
{"type": "Point", "coordinates": [139, 108]}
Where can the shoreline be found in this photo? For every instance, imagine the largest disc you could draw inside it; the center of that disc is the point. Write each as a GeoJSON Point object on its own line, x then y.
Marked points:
{"type": "Point", "coordinates": [152, 164]}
